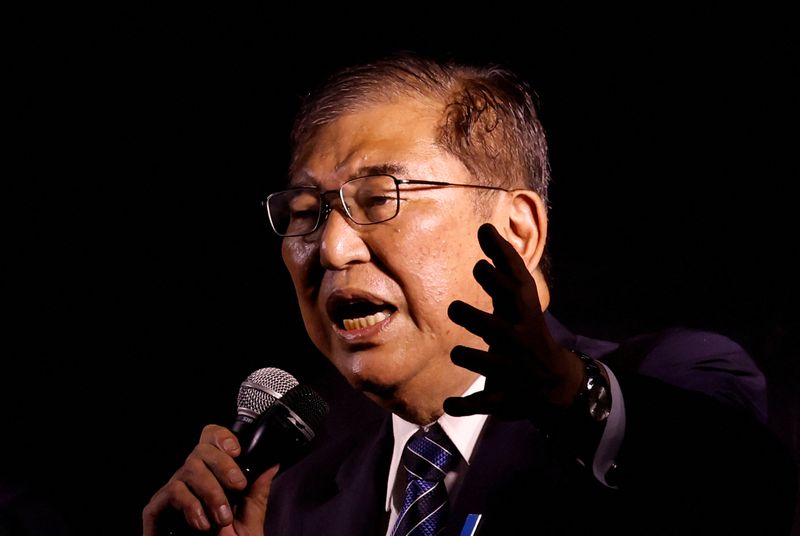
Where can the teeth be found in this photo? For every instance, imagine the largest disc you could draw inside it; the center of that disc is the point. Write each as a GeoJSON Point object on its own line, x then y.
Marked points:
{"type": "Point", "coordinates": [364, 321]}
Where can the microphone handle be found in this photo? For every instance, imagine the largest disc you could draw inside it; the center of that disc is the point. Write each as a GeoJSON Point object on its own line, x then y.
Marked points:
{"type": "Point", "coordinates": [277, 436]}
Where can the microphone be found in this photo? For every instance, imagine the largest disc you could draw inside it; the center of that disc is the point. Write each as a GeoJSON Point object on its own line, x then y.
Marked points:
{"type": "Point", "coordinates": [282, 433]}
{"type": "Point", "coordinates": [275, 422]}
{"type": "Point", "coordinates": [258, 392]}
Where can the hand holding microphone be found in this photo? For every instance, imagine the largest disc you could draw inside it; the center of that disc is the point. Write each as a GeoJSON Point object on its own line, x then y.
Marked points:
{"type": "Point", "coordinates": [227, 477]}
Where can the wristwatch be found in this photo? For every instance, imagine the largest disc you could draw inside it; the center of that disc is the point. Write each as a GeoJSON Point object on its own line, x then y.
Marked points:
{"type": "Point", "coordinates": [594, 398]}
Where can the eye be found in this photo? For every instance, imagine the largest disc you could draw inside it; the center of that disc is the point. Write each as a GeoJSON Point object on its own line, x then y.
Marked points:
{"type": "Point", "coordinates": [304, 206]}
{"type": "Point", "coordinates": [377, 201]}
{"type": "Point", "coordinates": [303, 214]}
{"type": "Point", "coordinates": [374, 197]}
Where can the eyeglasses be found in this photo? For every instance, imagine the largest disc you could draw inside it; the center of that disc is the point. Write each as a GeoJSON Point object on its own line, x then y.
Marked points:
{"type": "Point", "coordinates": [366, 201]}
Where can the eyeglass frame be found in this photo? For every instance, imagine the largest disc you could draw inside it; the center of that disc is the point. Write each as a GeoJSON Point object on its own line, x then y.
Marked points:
{"type": "Point", "coordinates": [326, 208]}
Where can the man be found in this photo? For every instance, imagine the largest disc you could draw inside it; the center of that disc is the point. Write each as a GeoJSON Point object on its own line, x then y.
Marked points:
{"type": "Point", "coordinates": [397, 167]}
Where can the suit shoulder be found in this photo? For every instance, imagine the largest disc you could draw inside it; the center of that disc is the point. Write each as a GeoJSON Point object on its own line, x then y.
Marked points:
{"type": "Point", "coordinates": [698, 360]}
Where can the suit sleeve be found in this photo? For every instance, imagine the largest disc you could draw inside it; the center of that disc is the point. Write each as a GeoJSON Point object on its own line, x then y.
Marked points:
{"type": "Point", "coordinates": [696, 444]}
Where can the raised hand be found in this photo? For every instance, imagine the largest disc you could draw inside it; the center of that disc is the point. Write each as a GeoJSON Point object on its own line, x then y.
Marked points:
{"type": "Point", "coordinates": [527, 373]}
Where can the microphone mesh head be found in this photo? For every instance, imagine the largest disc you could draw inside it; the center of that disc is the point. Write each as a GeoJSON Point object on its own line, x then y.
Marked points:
{"type": "Point", "coordinates": [308, 405]}
{"type": "Point", "coordinates": [252, 400]}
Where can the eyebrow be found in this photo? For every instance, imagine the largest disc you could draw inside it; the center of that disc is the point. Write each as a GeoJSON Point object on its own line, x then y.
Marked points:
{"type": "Point", "coordinates": [388, 168]}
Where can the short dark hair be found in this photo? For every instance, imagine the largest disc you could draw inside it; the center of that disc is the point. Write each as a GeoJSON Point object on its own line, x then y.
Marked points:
{"type": "Point", "coordinates": [490, 122]}
{"type": "Point", "coordinates": [489, 119]}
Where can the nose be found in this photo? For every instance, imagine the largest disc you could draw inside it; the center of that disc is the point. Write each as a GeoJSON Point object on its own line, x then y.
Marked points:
{"type": "Point", "coordinates": [341, 243]}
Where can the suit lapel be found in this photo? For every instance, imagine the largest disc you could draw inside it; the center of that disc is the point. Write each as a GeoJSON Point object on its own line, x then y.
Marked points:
{"type": "Point", "coordinates": [357, 506]}
{"type": "Point", "coordinates": [489, 473]}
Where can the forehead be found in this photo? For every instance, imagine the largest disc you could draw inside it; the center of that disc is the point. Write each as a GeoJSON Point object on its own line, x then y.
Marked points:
{"type": "Point", "coordinates": [398, 137]}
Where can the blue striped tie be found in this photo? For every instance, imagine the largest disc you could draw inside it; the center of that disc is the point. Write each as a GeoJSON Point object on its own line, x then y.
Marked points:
{"type": "Point", "coordinates": [426, 459]}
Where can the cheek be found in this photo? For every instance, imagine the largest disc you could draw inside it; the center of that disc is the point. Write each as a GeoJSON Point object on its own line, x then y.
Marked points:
{"type": "Point", "coordinates": [299, 258]}
{"type": "Point", "coordinates": [293, 257]}
{"type": "Point", "coordinates": [439, 258]}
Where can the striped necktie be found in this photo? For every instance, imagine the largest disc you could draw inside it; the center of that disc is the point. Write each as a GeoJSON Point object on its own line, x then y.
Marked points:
{"type": "Point", "coordinates": [427, 459]}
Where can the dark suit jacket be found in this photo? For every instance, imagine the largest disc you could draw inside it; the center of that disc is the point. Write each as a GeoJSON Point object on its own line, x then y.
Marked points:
{"type": "Point", "coordinates": [696, 458]}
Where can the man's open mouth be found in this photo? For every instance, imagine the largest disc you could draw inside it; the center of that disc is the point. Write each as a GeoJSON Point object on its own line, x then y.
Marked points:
{"type": "Point", "coordinates": [351, 314]}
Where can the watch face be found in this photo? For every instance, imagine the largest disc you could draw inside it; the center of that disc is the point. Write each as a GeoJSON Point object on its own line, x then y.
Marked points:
{"type": "Point", "coordinates": [599, 401]}
{"type": "Point", "coordinates": [595, 390]}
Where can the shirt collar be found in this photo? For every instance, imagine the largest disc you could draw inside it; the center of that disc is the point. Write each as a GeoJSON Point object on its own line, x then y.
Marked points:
{"type": "Point", "coordinates": [462, 431]}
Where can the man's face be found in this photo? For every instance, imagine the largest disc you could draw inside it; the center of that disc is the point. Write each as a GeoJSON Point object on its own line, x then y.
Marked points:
{"type": "Point", "coordinates": [400, 275]}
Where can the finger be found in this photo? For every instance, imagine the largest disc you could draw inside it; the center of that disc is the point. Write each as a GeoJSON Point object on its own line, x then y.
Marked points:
{"type": "Point", "coordinates": [507, 261]}
{"type": "Point", "coordinates": [225, 446]}
{"type": "Point", "coordinates": [201, 479]}
{"type": "Point", "coordinates": [482, 402]}
{"type": "Point", "coordinates": [492, 280]}
{"type": "Point", "coordinates": [222, 438]}
{"type": "Point", "coordinates": [198, 483]}
{"type": "Point", "coordinates": [483, 324]}
{"type": "Point", "coordinates": [223, 467]}
{"type": "Point", "coordinates": [503, 254]}
{"type": "Point", "coordinates": [485, 363]}
{"type": "Point", "coordinates": [254, 507]}
{"type": "Point", "coordinates": [168, 505]}
{"type": "Point", "coordinates": [503, 289]}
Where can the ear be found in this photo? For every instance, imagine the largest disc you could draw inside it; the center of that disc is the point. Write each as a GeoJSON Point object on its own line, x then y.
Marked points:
{"type": "Point", "coordinates": [526, 226]}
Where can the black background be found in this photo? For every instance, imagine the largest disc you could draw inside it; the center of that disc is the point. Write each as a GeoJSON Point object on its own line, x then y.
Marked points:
{"type": "Point", "coordinates": [142, 284]}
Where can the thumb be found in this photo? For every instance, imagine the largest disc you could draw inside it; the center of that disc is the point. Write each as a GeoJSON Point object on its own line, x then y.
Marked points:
{"type": "Point", "coordinates": [253, 509]}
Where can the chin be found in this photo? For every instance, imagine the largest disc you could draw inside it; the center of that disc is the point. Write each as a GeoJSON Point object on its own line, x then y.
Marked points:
{"type": "Point", "coordinates": [374, 380]}
{"type": "Point", "coordinates": [369, 381]}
